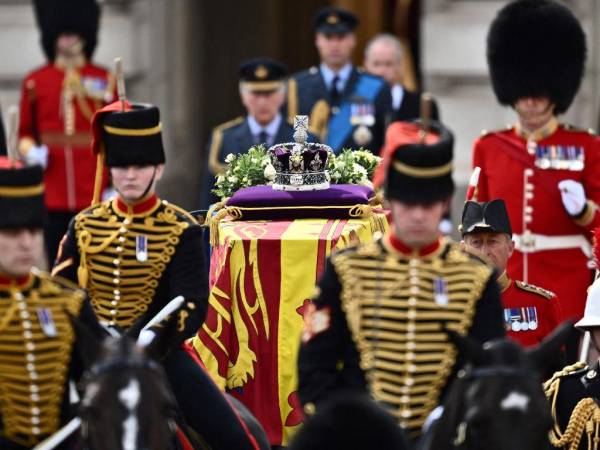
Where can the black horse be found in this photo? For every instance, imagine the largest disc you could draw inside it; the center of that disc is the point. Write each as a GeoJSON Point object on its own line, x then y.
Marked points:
{"type": "Point", "coordinates": [127, 403]}
{"type": "Point", "coordinates": [496, 402]}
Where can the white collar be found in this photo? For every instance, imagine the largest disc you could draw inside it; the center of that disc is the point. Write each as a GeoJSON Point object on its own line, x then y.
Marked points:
{"type": "Point", "coordinates": [343, 74]}
{"type": "Point", "coordinates": [271, 128]}
{"type": "Point", "coordinates": [397, 95]}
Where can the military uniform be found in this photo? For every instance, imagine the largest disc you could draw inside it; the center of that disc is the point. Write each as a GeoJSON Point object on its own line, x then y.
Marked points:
{"type": "Point", "coordinates": [238, 135]}
{"type": "Point", "coordinates": [357, 119]}
{"type": "Point", "coordinates": [235, 137]}
{"type": "Point", "coordinates": [134, 258]}
{"type": "Point", "coordinates": [530, 312]}
{"type": "Point", "coordinates": [524, 168]}
{"type": "Point", "coordinates": [352, 117]}
{"type": "Point", "coordinates": [549, 242]}
{"type": "Point", "coordinates": [38, 354]}
{"type": "Point", "coordinates": [377, 319]}
{"type": "Point", "coordinates": [57, 104]}
{"type": "Point", "coordinates": [574, 394]}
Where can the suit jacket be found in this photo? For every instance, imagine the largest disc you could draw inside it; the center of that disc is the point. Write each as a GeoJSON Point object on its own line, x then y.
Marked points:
{"type": "Point", "coordinates": [306, 89]}
{"type": "Point", "coordinates": [410, 108]}
{"type": "Point", "coordinates": [234, 137]}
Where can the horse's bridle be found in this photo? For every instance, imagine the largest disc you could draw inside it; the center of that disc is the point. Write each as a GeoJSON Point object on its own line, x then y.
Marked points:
{"type": "Point", "coordinates": [113, 365]}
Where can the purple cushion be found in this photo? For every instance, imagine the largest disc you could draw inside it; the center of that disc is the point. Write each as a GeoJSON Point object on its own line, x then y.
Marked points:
{"type": "Point", "coordinates": [264, 203]}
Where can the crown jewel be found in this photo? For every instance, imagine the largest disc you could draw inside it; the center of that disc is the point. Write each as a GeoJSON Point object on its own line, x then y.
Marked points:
{"type": "Point", "coordinates": [300, 165]}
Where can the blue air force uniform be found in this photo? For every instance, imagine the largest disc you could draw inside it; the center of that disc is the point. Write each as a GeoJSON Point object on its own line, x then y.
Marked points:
{"type": "Point", "coordinates": [355, 117]}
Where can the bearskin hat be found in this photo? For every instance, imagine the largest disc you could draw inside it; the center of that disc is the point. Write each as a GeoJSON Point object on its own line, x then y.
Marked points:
{"type": "Point", "coordinates": [54, 17]}
{"type": "Point", "coordinates": [536, 48]}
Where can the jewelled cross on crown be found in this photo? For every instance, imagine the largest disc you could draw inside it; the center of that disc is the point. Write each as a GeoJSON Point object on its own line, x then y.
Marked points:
{"type": "Point", "coordinates": [300, 129]}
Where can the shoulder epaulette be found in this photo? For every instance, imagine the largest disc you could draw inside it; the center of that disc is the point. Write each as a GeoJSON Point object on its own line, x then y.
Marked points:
{"type": "Point", "coordinates": [536, 290]}
{"type": "Point", "coordinates": [229, 124]}
{"type": "Point", "coordinates": [183, 212]}
{"type": "Point", "coordinates": [60, 281]}
{"type": "Point", "coordinates": [314, 70]}
{"type": "Point", "coordinates": [572, 369]}
{"type": "Point", "coordinates": [574, 129]}
{"type": "Point", "coordinates": [214, 165]}
{"type": "Point", "coordinates": [498, 130]}
{"type": "Point", "coordinates": [90, 209]}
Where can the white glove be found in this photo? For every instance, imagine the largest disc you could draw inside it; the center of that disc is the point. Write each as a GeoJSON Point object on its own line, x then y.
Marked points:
{"type": "Point", "coordinates": [37, 155]}
{"type": "Point", "coordinates": [573, 196]}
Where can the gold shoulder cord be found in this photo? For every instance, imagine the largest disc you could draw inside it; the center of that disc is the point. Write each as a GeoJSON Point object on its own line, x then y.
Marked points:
{"type": "Point", "coordinates": [584, 418]}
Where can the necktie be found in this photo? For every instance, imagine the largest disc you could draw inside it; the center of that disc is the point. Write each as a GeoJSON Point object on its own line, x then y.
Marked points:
{"type": "Point", "coordinates": [263, 138]}
{"type": "Point", "coordinates": [334, 90]}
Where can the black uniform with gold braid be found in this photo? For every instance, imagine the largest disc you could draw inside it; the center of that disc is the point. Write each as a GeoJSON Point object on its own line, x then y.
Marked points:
{"type": "Point", "coordinates": [376, 320]}
{"type": "Point", "coordinates": [134, 259]}
{"type": "Point", "coordinates": [574, 393]}
{"type": "Point", "coordinates": [37, 341]}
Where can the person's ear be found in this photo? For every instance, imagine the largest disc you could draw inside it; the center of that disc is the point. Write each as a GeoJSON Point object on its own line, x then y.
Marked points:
{"type": "Point", "coordinates": [159, 171]}
{"type": "Point", "coordinates": [511, 246]}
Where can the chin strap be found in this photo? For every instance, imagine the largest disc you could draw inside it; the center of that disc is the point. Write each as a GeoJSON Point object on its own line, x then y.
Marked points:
{"type": "Point", "coordinates": [143, 195]}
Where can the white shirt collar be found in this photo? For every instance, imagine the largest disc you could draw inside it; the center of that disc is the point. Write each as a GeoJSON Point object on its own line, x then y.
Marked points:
{"type": "Point", "coordinates": [343, 74]}
{"type": "Point", "coordinates": [397, 96]}
{"type": "Point", "coordinates": [271, 128]}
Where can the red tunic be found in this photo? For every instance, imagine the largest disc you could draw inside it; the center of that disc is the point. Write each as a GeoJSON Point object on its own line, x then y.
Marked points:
{"type": "Point", "coordinates": [553, 249]}
{"type": "Point", "coordinates": [69, 177]}
{"type": "Point", "coordinates": [530, 313]}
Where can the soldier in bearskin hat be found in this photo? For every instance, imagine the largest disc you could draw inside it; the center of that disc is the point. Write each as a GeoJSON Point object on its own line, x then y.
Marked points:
{"type": "Point", "coordinates": [57, 104]}
{"type": "Point", "coordinates": [37, 339]}
{"type": "Point", "coordinates": [545, 171]}
{"type": "Point", "coordinates": [135, 253]}
{"type": "Point", "coordinates": [530, 312]}
{"type": "Point", "coordinates": [380, 307]}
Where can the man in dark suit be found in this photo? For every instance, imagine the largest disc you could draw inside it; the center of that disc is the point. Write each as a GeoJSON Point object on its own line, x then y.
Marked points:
{"type": "Point", "coordinates": [262, 91]}
{"type": "Point", "coordinates": [383, 57]}
{"type": "Point", "coordinates": [347, 107]}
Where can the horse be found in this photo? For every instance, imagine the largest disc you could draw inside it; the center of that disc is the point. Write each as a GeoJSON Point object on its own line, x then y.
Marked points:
{"type": "Point", "coordinates": [496, 402]}
{"type": "Point", "coordinates": [127, 403]}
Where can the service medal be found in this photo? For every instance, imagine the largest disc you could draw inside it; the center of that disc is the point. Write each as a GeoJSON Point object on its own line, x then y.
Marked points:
{"type": "Point", "coordinates": [362, 135]}
{"type": "Point", "coordinates": [440, 291]}
{"type": "Point", "coordinates": [47, 322]}
{"type": "Point", "coordinates": [141, 248]}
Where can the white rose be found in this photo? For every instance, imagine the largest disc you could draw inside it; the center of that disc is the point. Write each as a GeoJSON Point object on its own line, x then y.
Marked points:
{"type": "Point", "coordinates": [230, 157]}
{"type": "Point", "coordinates": [365, 182]}
{"type": "Point", "coordinates": [269, 172]}
{"type": "Point", "coordinates": [233, 179]}
{"type": "Point", "coordinates": [360, 169]}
